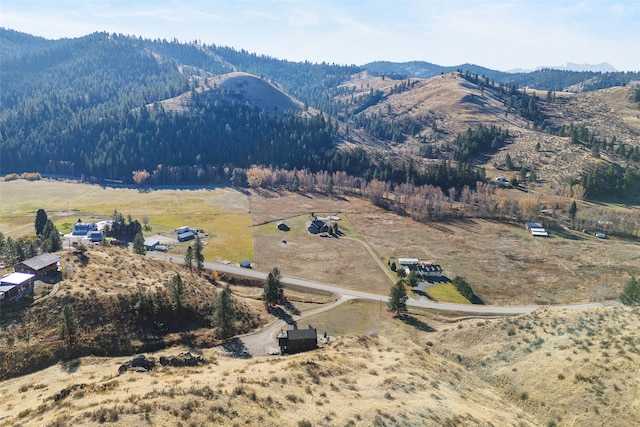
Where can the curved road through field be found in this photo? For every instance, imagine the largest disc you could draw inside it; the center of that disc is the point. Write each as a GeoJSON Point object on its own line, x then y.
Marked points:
{"type": "Point", "coordinates": [421, 303]}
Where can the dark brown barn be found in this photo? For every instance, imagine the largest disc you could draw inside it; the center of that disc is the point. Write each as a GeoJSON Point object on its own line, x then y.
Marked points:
{"type": "Point", "coordinates": [297, 340]}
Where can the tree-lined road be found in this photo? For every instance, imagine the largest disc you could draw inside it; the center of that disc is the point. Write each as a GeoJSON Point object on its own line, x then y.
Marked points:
{"type": "Point", "coordinates": [422, 303]}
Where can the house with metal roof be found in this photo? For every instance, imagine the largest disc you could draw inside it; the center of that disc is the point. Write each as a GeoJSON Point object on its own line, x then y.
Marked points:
{"type": "Point", "coordinates": [82, 228]}
{"type": "Point", "coordinates": [39, 265]}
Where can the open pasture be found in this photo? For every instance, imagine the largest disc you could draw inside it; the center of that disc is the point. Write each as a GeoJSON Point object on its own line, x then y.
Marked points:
{"type": "Point", "coordinates": [221, 212]}
{"type": "Point", "coordinates": [502, 262]}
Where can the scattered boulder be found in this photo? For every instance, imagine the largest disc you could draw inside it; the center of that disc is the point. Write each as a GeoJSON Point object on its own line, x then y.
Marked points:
{"type": "Point", "coordinates": [65, 392]}
{"type": "Point", "coordinates": [183, 359]}
{"type": "Point", "coordinates": [139, 363]}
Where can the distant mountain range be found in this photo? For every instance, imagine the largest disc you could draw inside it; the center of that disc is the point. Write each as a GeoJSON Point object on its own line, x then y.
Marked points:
{"type": "Point", "coordinates": [570, 66]}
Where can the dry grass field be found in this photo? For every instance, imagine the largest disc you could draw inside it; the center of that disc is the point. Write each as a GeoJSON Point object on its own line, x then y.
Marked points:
{"type": "Point", "coordinates": [502, 262]}
{"type": "Point", "coordinates": [560, 368]}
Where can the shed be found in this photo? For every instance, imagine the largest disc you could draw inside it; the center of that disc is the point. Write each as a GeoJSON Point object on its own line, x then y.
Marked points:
{"type": "Point", "coordinates": [16, 285]}
{"type": "Point", "coordinates": [283, 226]}
{"type": "Point", "coordinates": [94, 236]}
{"type": "Point", "coordinates": [151, 244]}
{"type": "Point", "coordinates": [408, 261]}
{"type": "Point", "coordinates": [297, 340]}
{"type": "Point", "coordinates": [245, 264]}
{"type": "Point", "coordinates": [40, 265]}
{"type": "Point", "coordinates": [183, 229]}
{"type": "Point", "coordinates": [187, 235]}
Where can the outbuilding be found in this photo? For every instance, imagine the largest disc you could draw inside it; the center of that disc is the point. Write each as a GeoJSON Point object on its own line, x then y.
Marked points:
{"type": "Point", "coordinates": [94, 236]}
{"type": "Point", "coordinates": [283, 226]}
{"type": "Point", "coordinates": [297, 340]}
{"type": "Point", "coordinates": [151, 244]}
{"type": "Point", "coordinates": [187, 235]}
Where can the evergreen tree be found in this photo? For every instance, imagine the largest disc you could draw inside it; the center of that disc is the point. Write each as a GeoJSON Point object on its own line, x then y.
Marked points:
{"type": "Point", "coordinates": [188, 258]}
{"type": "Point", "coordinates": [41, 221]}
{"type": "Point", "coordinates": [397, 303]}
{"type": "Point", "coordinates": [508, 162]}
{"type": "Point", "coordinates": [239, 178]}
{"type": "Point", "coordinates": [176, 293]}
{"type": "Point", "coordinates": [631, 293]}
{"type": "Point", "coordinates": [573, 210]}
{"type": "Point", "coordinates": [464, 288]}
{"type": "Point", "coordinates": [145, 305]}
{"type": "Point", "coordinates": [273, 292]}
{"type": "Point", "coordinates": [412, 279]}
{"type": "Point", "coordinates": [223, 318]}
{"type": "Point", "coordinates": [197, 254]}
{"type": "Point", "coordinates": [138, 245]}
{"type": "Point", "coordinates": [51, 241]}
{"type": "Point", "coordinates": [68, 327]}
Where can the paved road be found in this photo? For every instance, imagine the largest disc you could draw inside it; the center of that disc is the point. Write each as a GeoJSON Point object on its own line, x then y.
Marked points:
{"type": "Point", "coordinates": [422, 303]}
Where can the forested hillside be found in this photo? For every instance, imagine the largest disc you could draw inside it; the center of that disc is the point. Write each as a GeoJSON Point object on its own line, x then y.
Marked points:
{"type": "Point", "coordinates": [94, 107]}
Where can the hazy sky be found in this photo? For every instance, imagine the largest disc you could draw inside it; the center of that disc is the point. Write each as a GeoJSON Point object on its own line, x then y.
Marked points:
{"type": "Point", "coordinates": [499, 34]}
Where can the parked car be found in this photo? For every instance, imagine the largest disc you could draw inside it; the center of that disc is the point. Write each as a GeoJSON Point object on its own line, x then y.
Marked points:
{"type": "Point", "coordinates": [600, 235]}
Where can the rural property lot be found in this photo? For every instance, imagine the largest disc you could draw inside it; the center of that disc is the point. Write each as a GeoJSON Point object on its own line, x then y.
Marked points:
{"type": "Point", "coordinates": [334, 261]}
{"type": "Point", "coordinates": [502, 262]}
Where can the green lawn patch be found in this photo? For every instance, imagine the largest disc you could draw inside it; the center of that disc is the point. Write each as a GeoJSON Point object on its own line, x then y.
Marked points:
{"type": "Point", "coordinates": [446, 292]}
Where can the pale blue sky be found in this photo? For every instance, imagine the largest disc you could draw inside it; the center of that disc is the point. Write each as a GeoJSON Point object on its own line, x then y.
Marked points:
{"type": "Point", "coordinates": [499, 34]}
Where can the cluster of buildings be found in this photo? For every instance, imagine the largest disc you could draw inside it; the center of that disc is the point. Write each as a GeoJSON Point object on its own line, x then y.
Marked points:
{"type": "Point", "coordinates": [93, 231]}
{"type": "Point", "coordinates": [424, 269]}
{"type": "Point", "coordinates": [20, 283]}
{"type": "Point", "coordinates": [186, 233]}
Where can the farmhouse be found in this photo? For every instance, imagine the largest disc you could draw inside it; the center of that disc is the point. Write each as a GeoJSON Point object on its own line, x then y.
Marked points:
{"type": "Point", "coordinates": [16, 285]}
{"type": "Point", "coordinates": [82, 228]}
{"type": "Point", "coordinates": [424, 270]}
{"type": "Point", "coordinates": [297, 340]}
{"type": "Point", "coordinates": [317, 226]}
{"type": "Point", "coordinates": [40, 265]}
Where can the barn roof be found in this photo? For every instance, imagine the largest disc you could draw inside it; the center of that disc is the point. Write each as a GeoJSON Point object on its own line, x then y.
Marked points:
{"type": "Point", "coordinates": [41, 261]}
{"type": "Point", "coordinates": [301, 334]}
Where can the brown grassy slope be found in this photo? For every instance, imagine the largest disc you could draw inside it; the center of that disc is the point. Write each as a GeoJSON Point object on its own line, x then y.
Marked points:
{"type": "Point", "coordinates": [453, 105]}
{"type": "Point", "coordinates": [357, 380]}
{"type": "Point", "coordinates": [569, 367]}
{"type": "Point", "coordinates": [573, 368]}
{"type": "Point", "coordinates": [103, 289]}
{"type": "Point", "coordinates": [238, 86]}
